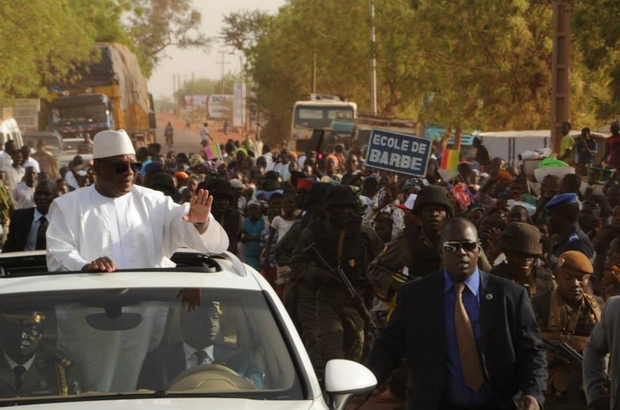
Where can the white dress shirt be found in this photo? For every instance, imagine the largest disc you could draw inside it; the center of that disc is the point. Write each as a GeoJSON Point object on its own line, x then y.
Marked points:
{"type": "Point", "coordinates": [31, 240]}
{"type": "Point", "coordinates": [191, 359]}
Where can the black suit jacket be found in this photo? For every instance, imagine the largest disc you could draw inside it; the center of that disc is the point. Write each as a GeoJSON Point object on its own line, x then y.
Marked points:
{"type": "Point", "coordinates": [21, 221]}
{"type": "Point", "coordinates": [513, 358]}
{"type": "Point", "coordinates": [166, 362]}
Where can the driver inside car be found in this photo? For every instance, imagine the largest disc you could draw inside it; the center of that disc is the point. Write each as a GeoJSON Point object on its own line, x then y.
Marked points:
{"type": "Point", "coordinates": [28, 365]}
{"type": "Point", "coordinates": [200, 328]}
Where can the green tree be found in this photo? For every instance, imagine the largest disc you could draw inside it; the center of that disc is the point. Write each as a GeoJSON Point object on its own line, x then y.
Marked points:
{"type": "Point", "coordinates": [596, 28]}
{"type": "Point", "coordinates": [41, 41]}
{"type": "Point", "coordinates": [155, 25]}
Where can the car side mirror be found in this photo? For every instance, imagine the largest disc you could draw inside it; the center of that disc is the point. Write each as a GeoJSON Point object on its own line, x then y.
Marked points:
{"type": "Point", "coordinates": [344, 379]}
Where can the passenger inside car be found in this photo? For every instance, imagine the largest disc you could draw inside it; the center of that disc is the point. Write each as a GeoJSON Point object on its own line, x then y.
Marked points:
{"type": "Point", "coordinates": [28, 365]}
{"type": "Point", "coordinates": [165, 367]}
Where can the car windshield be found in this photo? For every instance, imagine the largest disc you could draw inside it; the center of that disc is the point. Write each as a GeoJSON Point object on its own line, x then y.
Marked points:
{"type": "Point", "coordinates": [51, 143]}
{"type": "Point", "coordinates": [320, 116]}
{"type": "Point", "coordinates": [79, 114]}
{"type": "Point", "coordinates": [149, 341]}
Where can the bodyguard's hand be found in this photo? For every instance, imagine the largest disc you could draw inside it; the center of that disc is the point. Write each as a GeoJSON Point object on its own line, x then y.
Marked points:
{"type": "Point", "coordinates": [103, 264]}
{"type": "Point", "coordinates": [528, 403]}
{"type": "Point", "coordinates": [199, 208]}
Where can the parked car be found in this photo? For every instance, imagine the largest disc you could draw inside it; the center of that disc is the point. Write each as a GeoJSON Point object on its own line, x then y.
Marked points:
{"type": "Point", "coordinates": [70, 145]}
{"type": "Point", "coordinates": [53, 141]}
{"type": "Point", "coordinates": [129, 337]}
{"type": "Point", "coordinates": [9, 130]}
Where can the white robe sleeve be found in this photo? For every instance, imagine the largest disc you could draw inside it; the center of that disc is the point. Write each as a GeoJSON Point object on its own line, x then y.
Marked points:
{"type": "Point", "coordinates": [178, 233]}
{"type": "Point", "coordinates": [62, 245]}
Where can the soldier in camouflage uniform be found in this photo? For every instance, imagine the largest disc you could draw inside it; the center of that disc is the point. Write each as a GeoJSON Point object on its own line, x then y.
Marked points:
{"type": "Point", "coordinates": [300, 291]}
{"type": "Point", "coordinates": [343, 242]}
{"type": "Point", "coordinates": [567, 314]}
{"type": "Point", "coordinates": [29, 367]}
{"type": "Point", "coordinates": [522, 246]}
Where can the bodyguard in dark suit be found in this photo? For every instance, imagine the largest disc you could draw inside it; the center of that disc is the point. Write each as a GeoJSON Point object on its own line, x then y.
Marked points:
{"type": "Point", "coordinates": [471, 338]}
{"type": "Point", "coordinates": [200, 330]}
{"type": "Point", "coordinates": [28, 226]}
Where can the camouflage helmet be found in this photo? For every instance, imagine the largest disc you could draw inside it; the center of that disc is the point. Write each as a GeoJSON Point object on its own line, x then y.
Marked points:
{"type": "Point", "coordinates": [338, 195]}
{"type": "Point", "coordinates": [521, 237]}
{"type": "Point", "coordinates": [435, 195]}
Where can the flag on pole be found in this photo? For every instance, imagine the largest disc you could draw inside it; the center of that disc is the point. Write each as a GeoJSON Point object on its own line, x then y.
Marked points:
{"type": "Point", "coordinates": [213, 151]}
{"type": "Point", "coordinates": [448, 169]}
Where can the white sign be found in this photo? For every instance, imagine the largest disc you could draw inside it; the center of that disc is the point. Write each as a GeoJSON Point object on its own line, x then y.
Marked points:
{"type": "Point", "coordinates": [26, 113]}
{"type": "Point", "coordinates": [196, 101]}
{"type": "Point", "coordinates": [239, 93]}
{"type": "Point", "coordinates": [219, 106]}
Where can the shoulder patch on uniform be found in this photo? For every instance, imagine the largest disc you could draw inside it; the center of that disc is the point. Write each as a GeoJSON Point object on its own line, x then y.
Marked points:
{"type": "Point", "coordinates": [574, 237]}
{"type": "Point", "coordinates": [62, 360]}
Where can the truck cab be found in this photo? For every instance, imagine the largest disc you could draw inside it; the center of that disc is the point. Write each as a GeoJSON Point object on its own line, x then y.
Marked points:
{"type": "Point", "coordinates": [75, 114]}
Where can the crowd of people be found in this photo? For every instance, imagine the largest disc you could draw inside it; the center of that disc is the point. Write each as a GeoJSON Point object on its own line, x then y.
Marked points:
{"type": "Point", "coordinates": [443, 266]}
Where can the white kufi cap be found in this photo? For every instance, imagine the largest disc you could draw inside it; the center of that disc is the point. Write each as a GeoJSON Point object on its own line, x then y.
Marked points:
{"type": "Point", "coordinates": [112, 143]}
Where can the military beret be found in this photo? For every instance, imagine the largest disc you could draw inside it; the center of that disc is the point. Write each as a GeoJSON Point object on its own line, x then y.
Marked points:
{"type": "Point", "coordinates": [561, 200]}
{"type": "Point", "coordinates": [23, 318]}
{"type": "Point", "coordinates": [521, 237]}
{"type": "Point", "coordinates": [575, 260]}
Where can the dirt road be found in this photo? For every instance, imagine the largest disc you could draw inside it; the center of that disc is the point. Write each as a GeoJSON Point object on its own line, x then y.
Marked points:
{"type": "Point", "coordinates": [188, 140]}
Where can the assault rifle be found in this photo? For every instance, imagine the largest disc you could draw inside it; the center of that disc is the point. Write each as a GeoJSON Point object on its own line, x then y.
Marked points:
{"type": "Point", "coordinates": [564, 350]}
{"type": "Point", "coordinates": [339, 275]}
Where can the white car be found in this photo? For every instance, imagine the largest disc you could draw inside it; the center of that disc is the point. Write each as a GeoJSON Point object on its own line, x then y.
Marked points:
{"type": "Point", "coordinates": [124, 340]}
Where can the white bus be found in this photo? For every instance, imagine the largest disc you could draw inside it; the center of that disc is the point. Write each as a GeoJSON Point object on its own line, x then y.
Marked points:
{"type": "Point", "coordinates": [308, 115]}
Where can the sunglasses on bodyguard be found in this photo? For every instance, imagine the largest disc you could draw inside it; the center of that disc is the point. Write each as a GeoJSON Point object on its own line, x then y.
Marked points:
{"type": "Point", "coordinates": [468, 246]}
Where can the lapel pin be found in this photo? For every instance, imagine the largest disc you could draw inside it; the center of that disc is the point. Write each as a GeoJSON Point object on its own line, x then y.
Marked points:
{"type": "Point", "coordinates": [489, 296]}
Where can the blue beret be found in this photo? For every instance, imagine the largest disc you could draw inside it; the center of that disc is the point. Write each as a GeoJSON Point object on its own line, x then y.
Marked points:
{"type": "Point", "coordinates": [562, 199]}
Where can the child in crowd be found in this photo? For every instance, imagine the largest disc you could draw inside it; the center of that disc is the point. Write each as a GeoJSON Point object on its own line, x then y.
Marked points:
{"type": "Point", "coordinates": [268, 256]}
{"type": "Point", "coordinates": [253, 227]}
{"type": "Point", "coordinates": [281, 225]}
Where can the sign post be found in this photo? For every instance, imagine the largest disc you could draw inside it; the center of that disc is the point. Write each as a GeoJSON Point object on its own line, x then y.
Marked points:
{"type": "Point", "coordinates": [400, 153]}
{"type": "Point", "coordinates": [26, 113]}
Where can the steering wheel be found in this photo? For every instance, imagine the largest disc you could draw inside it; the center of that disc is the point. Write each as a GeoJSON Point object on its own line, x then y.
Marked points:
{"type": "Point", "coordinates": [210, 378]}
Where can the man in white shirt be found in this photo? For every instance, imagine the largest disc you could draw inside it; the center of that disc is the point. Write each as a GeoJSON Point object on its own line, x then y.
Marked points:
{"type": "Point", "coordinates": [282, 166]}
{"type": "Point", "coordinates": [28, 160]}
{"type": "Point", "coordinates": [114, 224]}
{"type": "Point", "coordinates": [15, 172]}
{"type": "Point", "coordinates": [205, 137]}
{"type": "Point", "coordinates": [6, 154]}
{"type": "Point", "coordinates": [23, 193]}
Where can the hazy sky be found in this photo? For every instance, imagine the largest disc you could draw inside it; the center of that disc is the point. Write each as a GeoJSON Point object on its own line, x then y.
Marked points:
{"type": "Point", "coordinates": [205, 65]}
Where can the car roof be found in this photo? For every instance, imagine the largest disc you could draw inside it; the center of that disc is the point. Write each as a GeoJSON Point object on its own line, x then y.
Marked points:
{"type": "Point", "coordinates": [25, 272]}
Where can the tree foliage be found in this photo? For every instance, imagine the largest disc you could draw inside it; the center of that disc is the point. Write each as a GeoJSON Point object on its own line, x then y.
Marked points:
{"type": "Point", "coordinates": [478, 65]}
{"type": "Point", "coordinates": [155, 25]}
{"type": "Point", "coordinates": [243, 28]}
{"type": "Point", "coordinates": [596, 28]}
{"type": "Point", "coordinates": [42, 41]}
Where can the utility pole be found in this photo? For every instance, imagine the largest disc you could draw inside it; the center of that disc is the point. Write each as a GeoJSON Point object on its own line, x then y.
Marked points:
{"type": "Point", "coordinates": [223, 62]}
{"type": "Point", "coordinates": [373, 61]}
{"type": "Point", "coordinates": [314, 73]}
{"type": "Point", "coordinates": [174, 92]}
{"type": "Point", "coordinates": [191, 115]}
{"type": "Point", "coordinates": [560, 70]}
